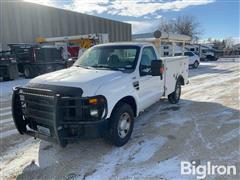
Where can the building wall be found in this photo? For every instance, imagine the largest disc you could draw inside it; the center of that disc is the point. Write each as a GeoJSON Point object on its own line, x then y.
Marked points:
{"type": "Point", "coordinates": [23, 22]}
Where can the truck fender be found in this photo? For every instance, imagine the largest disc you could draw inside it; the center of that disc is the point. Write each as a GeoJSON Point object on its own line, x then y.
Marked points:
{"type": "Point", "coordinates": [130, 100]}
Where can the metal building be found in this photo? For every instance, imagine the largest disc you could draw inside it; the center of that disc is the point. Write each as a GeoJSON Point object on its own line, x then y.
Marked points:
{"type": "Point", "coordinates": [23, 22]}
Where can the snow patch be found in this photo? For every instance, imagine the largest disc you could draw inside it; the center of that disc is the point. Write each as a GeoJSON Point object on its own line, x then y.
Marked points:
{"type": "Point", "coordinates": [6, 87]}
{"type": "Point", "coordinates": [136, 153]}
{"type": "Point", "coordinates": [5, 109]}
{"type": "Point", "coordinates": [6, 121]}
{"type": "Point", "coordinates": [168, 169]}
{"type": "Point", "coordinates": [230, 135]}
{"type": "Point", "coordinates": [8, 133]}
{"type": "Point", "coordinates": [174, 119]}
{"type": "Point", "coordinates": [233, 121]}
{"type": "Point", "coordinates": [6, 113]}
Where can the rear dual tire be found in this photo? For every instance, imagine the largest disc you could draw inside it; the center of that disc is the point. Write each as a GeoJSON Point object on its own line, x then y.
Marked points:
{"type": "Point", "coordinates": [28, 72]}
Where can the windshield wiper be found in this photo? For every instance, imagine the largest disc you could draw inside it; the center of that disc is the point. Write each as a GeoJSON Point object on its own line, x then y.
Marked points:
{"type": "Point", "coordinates": [100, 66]}
{"type": "Point", "coordinates": [109, 67]}
{"type": "Point", "coordinates": [86, 67]}
{"type": "Point", "coordinates": [118, 68]}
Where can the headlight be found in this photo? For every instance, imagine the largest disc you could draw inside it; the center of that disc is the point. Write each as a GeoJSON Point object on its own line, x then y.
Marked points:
{"type": "Point", "coordinates": [96, 108]}
{"type": "Point", "coordinates": [94, 113]}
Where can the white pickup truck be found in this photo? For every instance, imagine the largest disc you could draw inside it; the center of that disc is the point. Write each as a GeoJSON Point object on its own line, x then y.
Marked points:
{"type": "Point", "coordinates": [100, 94]}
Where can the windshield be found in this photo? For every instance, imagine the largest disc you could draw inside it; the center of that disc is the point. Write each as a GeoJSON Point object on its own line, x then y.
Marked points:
{"type": "Point", "coordinates": [110, 57]}
{"type": "Point", "coordinates": [23, 53]}
{"type": "Point", "coordinates": [48, 54]}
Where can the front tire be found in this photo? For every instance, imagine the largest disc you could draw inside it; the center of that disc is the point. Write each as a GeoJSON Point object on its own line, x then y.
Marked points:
{"type": "Point", "coordinates": [120, 125]}
{"type": "Point", "coordinates": [174, 97]}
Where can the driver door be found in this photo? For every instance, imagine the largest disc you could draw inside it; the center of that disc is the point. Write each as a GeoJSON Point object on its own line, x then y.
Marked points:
{"type": "Point", "coordinates": [151, 88]}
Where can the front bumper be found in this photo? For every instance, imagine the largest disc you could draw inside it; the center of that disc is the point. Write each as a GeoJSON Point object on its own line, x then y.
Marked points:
{"type": "Point", "coordinates": [51, 116]}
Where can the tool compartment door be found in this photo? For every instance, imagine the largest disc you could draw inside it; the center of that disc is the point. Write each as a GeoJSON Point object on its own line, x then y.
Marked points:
{"type": "Point", "coordinates": [174, 66]}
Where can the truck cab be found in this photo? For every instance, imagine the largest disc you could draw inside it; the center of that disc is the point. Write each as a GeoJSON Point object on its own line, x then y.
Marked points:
{"type": "Point", "coordinates": [101, 94]}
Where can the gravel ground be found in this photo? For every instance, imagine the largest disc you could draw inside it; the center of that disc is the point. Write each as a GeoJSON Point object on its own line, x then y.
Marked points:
{"type": "Point", "coordinates": [204, 126]}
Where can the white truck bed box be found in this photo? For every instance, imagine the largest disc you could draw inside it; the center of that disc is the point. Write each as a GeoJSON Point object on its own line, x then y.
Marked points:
{"type": "Point", "coordinates": [174, 66]}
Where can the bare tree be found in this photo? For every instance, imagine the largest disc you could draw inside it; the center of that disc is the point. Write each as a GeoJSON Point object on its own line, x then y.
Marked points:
{"type": "Point", "coordinates": [167, 26]}
{"type": "Point", "coordinates": [187, 25]}
{"type": "Point", "coordinates": [229, 42]}
{"type": "Point", "coordinates": [218, 44]}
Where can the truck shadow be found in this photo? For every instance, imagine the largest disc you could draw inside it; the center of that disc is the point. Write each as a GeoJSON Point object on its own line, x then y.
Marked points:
{"type": "Point", "coordinates": [175, 129]}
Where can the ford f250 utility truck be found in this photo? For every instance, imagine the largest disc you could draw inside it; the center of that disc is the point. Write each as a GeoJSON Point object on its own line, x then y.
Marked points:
{"type": "Point", "coordinates": [101, 94]}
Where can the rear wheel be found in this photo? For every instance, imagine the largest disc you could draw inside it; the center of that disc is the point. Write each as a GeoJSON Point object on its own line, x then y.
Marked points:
{"type": "Point", "coordinates": [211, 58]}
{"type": "Point", "coordinates": [174, 97]}
{"type": "Point", "coordinates": [120, 125]}
{"type": "Point", "coordinates": [195, 65]}
{"type": "Point", "coordinates": [28, 72]}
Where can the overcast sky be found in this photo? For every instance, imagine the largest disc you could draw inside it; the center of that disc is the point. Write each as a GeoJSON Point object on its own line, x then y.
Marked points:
{"type": "Point", "coordinates": [218, 18]}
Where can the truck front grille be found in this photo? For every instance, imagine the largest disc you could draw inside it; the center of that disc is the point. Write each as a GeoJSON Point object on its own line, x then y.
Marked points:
{"type": "Point", "coordinates": [42, 106]}
{"type": "Point", "coordinates": [71, 109]}
{"type": "Point", "coordinates": [38, 106]}
{"type": "Point", "coordinates": [47, 108]}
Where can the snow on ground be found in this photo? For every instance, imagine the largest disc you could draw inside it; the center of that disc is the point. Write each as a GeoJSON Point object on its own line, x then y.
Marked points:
{"type": "Point", "coordinates": [6, 87]}
{"type": "Point", "coordinates": [203, 127]}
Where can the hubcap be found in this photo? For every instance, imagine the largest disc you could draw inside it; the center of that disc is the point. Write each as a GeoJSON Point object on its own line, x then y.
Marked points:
{"type": "Point", "coordinates": [124, 125]}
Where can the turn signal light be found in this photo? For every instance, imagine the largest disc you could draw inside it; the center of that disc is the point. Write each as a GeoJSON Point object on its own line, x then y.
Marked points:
{"type": "Point", "coordinates": [93, 101]}
{"type": "Point", "coordinates": [161, 70]}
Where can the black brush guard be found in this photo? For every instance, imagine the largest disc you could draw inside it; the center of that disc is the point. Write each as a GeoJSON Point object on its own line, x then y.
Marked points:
{"type": "Point", "coordinates": [67, 118]}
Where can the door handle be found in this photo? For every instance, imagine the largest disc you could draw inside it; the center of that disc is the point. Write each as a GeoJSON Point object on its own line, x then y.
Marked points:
{"type": "Point", "coordinates": [136, 85]}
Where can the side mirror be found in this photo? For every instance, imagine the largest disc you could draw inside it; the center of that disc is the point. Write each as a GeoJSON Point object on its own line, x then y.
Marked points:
{"type": "Point", "coordinates": [157, 68]}
{"type": "Point", "coordinates": [69, 62]}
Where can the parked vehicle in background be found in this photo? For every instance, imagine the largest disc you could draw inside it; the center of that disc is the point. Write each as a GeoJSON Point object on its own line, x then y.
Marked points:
{"type": "Point", "coordinates": [33, 59]}
{"type": "Point", "coordinates": [208, 55]}
{"type": "Point", "coordinates": [206, 52]}
{"type": "Point", "coordinates": [101, 94]}
{"type": "Point", "coordinates": [193, 59]}
{"type": "Point", "coordinates": [8, 66]}
{"type": "Point", "coordinates": [23, 53]}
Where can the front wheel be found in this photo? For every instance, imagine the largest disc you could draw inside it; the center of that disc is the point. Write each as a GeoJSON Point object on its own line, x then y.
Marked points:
{"type": "Point", "coordinates": [120, 125]}
{"type": "Point", "coordinates": [174, 97]}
